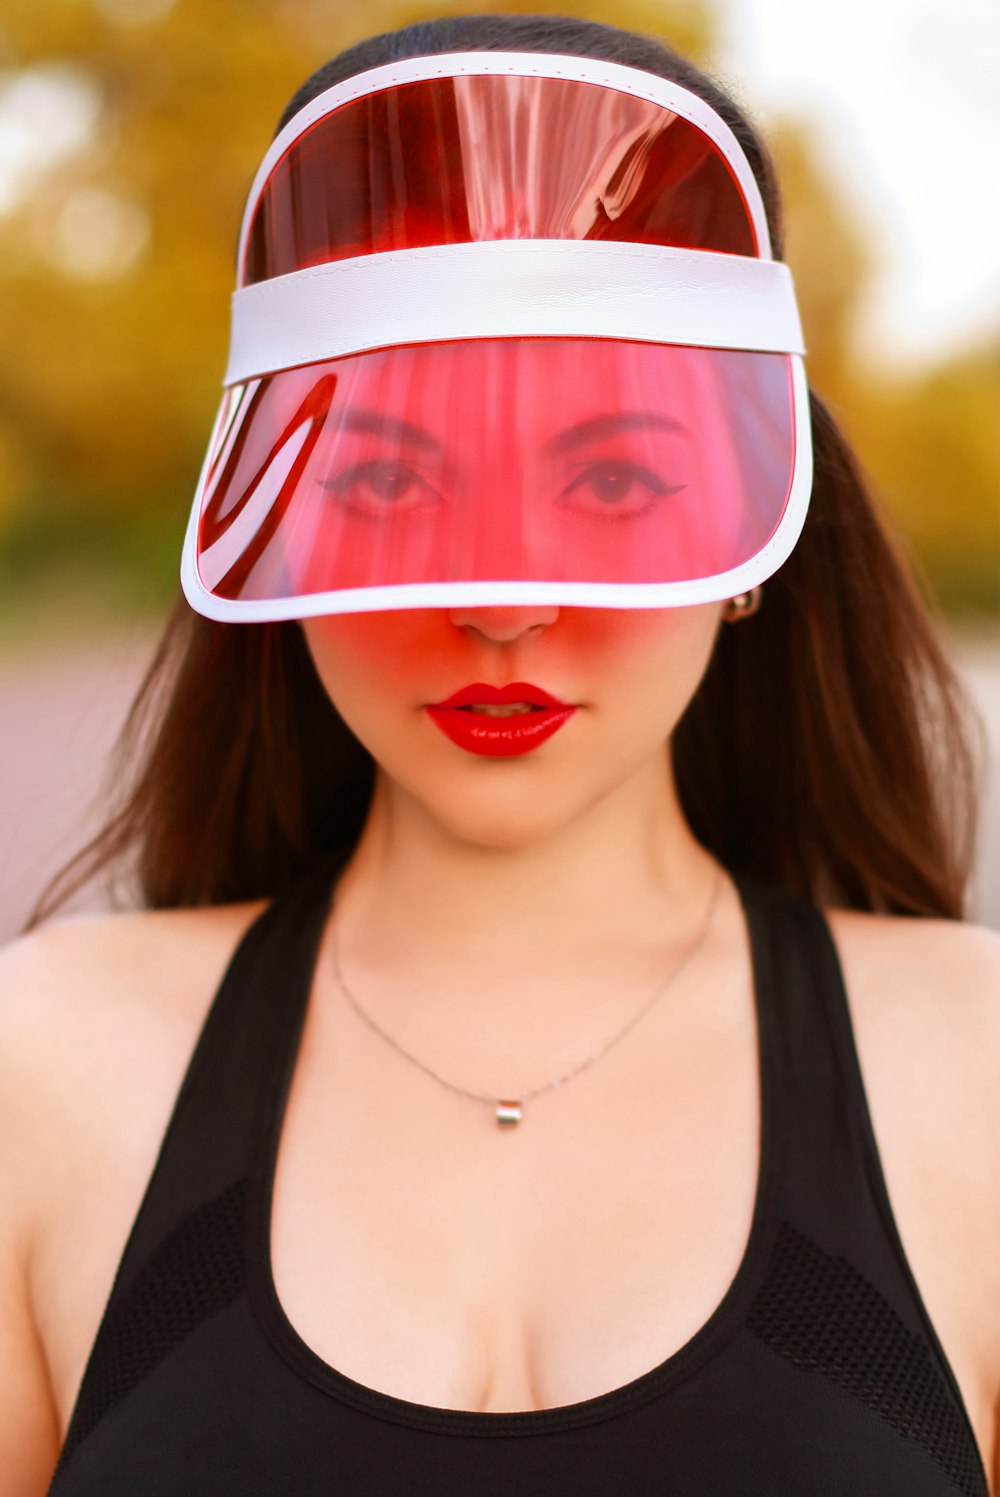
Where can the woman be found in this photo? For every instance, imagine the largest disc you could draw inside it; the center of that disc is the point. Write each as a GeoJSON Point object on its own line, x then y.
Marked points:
{"type": "Point", "coordinates": [525, 1144]}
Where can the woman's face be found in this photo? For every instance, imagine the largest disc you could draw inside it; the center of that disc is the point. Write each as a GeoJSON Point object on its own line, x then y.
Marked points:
{"type": "Point", "coordinates": [594, 481]}
{"type": "Point", "coordinates": [491, 778]}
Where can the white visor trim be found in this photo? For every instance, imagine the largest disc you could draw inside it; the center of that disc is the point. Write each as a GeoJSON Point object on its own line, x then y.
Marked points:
{"type": "Point", "coordinates": [521, 288]}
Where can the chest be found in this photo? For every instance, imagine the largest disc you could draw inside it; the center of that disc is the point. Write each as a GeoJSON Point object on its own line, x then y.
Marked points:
{"type": "Point", "coordinates": [426, 1253]}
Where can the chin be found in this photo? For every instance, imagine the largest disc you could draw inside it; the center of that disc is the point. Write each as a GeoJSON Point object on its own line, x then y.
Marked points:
{"type": "Point", "coordinates": [499, 819]}
{"type": "Point", "coordinates": [510, 805]}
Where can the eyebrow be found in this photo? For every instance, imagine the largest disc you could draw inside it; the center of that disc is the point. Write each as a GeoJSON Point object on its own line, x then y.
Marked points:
{"type": "Point", "coordinates": [389, 427]}
{"type": "Point", "coordinates": [609, 426]}
{"type": "Point", "coordinates": [592, 430]}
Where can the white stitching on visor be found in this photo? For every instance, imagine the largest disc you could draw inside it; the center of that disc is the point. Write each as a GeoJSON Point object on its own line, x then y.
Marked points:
{"type": "Point", "coordinates": [513, 289]}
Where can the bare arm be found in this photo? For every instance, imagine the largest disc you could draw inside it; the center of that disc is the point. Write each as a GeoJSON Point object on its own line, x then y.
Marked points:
{"type": "Point", "coordinates": [29, 1436]}
{"type": "Point", "coordinates": [29, 1430]}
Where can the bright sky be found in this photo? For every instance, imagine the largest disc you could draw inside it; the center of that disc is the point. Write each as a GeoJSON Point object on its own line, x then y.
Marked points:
{"type": "Point", "coordinates": [905, 95]}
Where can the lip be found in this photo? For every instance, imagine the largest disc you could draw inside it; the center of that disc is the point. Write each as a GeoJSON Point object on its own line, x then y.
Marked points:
{"type": "Point", "coordinates": [479, 694]}
{"type": "Point", "coordinates": [500, 737]}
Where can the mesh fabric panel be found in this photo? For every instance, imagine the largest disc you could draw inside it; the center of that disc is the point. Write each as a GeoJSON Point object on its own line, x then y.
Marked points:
{"type": "Point", "coordinates": [197, 1270]}
{"type": "Point", "coordinates": [825, 1316]}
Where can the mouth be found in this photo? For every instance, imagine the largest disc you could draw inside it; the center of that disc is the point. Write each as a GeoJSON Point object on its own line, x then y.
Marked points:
{"type": "Point", "coordinates": [500, 721]}
{"type": "Point", "coordinates": [510, 709]}
{"type": "Point", "coordinates": [502, 701]}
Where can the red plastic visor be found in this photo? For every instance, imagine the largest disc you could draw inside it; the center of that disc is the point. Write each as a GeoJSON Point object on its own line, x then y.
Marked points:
{"type": "Point", "coordinates": [514, 460]}
{"type": "Point", "coordinates": [507, 328]}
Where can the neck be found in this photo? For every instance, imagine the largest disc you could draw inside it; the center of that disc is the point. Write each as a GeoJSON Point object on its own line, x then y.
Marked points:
{"type": "Point", "coordinates": [592, 912]}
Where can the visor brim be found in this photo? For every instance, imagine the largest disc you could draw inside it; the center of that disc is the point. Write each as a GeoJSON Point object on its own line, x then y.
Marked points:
{"type": "Point", "coordinates": [690, 484]}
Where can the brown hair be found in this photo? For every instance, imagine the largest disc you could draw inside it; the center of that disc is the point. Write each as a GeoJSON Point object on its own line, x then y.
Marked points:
{"type": "Point", "coordinates": [827, 748]}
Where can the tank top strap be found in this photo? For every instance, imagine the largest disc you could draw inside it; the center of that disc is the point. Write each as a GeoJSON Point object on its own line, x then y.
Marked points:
{"type": "Point", "coordinates": [838, 1296]}
{"type": "Point", "coordinates": [251, 1030]}
{"type": "Point", "coordinates": [823, 1134]}
{"type": "Point", "coordinates": [831, 1181]}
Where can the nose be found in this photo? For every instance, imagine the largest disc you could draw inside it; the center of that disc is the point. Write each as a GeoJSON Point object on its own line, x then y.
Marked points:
{"type": "Point", "coordinates": [503, 625]}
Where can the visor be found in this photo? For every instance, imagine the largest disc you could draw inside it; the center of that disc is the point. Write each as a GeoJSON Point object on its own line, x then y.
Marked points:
{"type": "Point", "coordinates": [507, 329]}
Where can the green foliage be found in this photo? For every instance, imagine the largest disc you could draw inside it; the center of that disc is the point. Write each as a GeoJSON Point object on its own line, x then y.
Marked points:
{"type": "Point", "coordinates": [109, 379]}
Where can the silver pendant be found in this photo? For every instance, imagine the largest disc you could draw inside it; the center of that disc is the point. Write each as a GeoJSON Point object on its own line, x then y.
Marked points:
{"type": "Point", "coordinates": [509, 1114]}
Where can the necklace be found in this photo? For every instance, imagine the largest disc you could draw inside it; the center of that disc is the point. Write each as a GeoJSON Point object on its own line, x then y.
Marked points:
{"type": "Point", "coordinates": [510, 1112]}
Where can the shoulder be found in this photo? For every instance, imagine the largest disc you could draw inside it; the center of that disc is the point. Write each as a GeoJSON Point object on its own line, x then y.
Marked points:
{"type": "Point", "coordinates": [925, 1002]}
{"type": "Point", "coordinates": [91, 1008]}
{"type": "Point", "coordinates": [930, 989]}
{"type": "Point", "coordinates": [111, 973]}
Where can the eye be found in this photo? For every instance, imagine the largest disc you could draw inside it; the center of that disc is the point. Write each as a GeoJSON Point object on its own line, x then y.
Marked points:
{"type": "Point", "coordinates": [615, 489]}
{"type": "Point", "coordinates": [382, 488]}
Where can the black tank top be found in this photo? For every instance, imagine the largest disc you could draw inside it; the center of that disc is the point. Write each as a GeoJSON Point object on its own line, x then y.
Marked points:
{"type": "Point", "coordinates": [818, 1373]}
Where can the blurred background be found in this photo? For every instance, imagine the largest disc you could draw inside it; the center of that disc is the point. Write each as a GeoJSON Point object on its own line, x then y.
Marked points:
{"type": "Point", "coordinates": [129, 133]}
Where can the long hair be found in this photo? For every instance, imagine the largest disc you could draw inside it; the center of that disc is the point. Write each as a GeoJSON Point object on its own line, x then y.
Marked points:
{"type": "Point", "coordinates": [827, 749]}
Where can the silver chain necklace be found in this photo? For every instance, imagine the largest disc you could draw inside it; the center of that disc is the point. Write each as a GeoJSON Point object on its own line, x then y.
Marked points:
{"type": "Point", "coordinates": [510, 1112]}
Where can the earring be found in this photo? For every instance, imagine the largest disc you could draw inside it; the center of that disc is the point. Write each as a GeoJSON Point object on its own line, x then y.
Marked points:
{"type": "Point", "coordinates": [743, 606]}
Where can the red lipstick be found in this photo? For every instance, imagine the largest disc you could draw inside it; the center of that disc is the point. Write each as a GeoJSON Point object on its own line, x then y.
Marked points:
{"type": "Point", "coordinates": [500, 736]}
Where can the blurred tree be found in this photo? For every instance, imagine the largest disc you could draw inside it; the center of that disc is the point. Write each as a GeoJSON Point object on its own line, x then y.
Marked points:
{"type": "Point", "coordinates": [933, 448]}
{"type": "Point", "coordinates": [116, 269]}
{"type": "Point", "coordinates": [931, 443]}
{"type": "Point", "coordinates": [828, 254]}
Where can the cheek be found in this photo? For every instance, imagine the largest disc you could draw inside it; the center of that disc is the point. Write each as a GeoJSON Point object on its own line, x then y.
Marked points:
{"type": "Point", "coordinates": [655, 654]}
{"type": "Point", "coordinates": [355, 652]}
{"type": "Point", "coordinates": [651, 663]}
{"type": "Point", "coordinates": [378, 670]}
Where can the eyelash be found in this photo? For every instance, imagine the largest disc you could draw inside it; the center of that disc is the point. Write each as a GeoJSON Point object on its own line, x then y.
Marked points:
{"type": "Point", "coordinates": [372, 468]}
{"type": "Point", "coordinates": [630, 470]}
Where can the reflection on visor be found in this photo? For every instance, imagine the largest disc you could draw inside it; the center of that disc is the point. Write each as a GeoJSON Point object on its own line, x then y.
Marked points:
{"type": "Point", "coordinates": [456, 160]}
{"type": "Point", "coordinates": [499, 460]}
